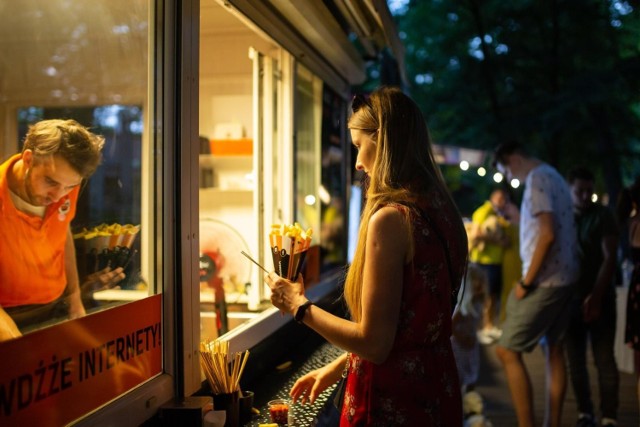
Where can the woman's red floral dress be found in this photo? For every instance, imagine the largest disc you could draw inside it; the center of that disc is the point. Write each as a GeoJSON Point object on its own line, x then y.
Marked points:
{"type": "Point", "coordinates": [418, 384]}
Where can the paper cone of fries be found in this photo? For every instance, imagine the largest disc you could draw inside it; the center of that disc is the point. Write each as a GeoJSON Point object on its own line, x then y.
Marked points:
{"type": "Point", "coordinates": [106, 245]}
{"type": "Point", "coordinates": [289, 244]}
{"type": "Point", "coordinates": [106, 236]}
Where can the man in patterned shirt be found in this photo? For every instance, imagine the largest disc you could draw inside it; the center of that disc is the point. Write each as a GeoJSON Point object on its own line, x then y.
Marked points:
{"type": "Point", "coordinates": [536, 311]}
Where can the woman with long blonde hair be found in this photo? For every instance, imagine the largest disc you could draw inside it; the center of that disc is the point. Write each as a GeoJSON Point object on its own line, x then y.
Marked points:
{"type": "Point", "coordinates": [401, 285]}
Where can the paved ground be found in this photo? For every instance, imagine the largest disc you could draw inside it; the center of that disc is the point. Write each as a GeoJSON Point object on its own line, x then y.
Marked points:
{"type": "Point", "coordinates": [499, 409]}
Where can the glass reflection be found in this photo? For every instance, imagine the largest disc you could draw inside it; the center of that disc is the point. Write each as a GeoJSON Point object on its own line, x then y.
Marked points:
{"type": "Point", "coordinates": [86, 61]}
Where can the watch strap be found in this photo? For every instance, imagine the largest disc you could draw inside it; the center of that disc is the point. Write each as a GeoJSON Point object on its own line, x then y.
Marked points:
{"type": "Point", "coordinates": [301, 311]}
{"type": "Point", "coordinates": [524, 285]}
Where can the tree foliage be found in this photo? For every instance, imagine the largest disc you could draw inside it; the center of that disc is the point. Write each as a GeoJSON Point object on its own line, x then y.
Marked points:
{"type": "Point", "coordinates": [560, 76]}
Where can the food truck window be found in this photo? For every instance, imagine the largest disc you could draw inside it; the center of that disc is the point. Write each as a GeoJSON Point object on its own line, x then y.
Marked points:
{"type": "Point", "coordinates": [89, 62]}
{"type": "Point", "coordinates": [319, 170]}
{"type": "Point", "coordinates": [271, 152]}
{"type": "Point", "coordinates": [239, 162]}
{"type": "Point", "coordinates": [332, 191]}
{"type": "Point", "coordinates": [54, 76]}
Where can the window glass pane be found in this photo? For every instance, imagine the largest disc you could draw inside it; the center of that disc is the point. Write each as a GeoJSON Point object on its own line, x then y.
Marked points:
{"type": "Point", "coordinates": [78, 224]}
{"type": "Point", "coordinates": [239, 138]}
{"type": "Point", "coordinates": [85, 61]}
{"type": "Point", "coordinates": [332, 192]}
{"type": "Point", "coordinates": [320, 178]}
{"type": "Point", "coordinates": [307, 167]}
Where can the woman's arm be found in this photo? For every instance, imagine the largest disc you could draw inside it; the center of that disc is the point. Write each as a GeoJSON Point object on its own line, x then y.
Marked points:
{"type": "Point", "coordinates": [372, 338]}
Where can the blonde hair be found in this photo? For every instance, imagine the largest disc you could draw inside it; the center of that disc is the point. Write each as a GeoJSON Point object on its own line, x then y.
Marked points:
{"type": "Point", "coordinates": [404, 169]}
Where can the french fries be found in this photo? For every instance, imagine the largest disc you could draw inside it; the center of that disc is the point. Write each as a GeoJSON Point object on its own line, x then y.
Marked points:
{"type": "Point", "coordinates": [289, 244]}
{"type": "Point", "coordinates": [109, 236]}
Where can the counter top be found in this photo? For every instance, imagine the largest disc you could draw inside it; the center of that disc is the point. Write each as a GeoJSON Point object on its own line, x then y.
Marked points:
{"type": "Point", "coordinates": [276, 385]}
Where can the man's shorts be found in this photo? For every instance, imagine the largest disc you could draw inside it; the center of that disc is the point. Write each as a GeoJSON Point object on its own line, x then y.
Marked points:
{"type": "Point", "coordinates": [542, 313]}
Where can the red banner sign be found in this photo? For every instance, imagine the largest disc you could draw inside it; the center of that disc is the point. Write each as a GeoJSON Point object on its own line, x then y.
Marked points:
{"type": "Point", "coordinates": [56, 375]}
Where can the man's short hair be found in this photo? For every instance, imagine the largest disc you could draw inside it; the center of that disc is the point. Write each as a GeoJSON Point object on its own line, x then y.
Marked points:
{"type": "Point", "coordinates": [581, 173]}
{"type": "Point", "coordinates": [506, 149]}
{"type": "Point", "coordinates": [67, 139]}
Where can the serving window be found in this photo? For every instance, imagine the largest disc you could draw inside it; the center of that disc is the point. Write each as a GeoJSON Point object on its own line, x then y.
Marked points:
{"type": "Point", "coordinates": [90, 62]}
{"type": "Point", "coordinates": [53, 75]}
{"type": "Point", "coordinates": [320, 169]}
{"type": "Point", "coordinates": [271, 152]}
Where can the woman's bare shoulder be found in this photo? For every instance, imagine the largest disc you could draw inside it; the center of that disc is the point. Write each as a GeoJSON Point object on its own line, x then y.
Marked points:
{"type": "Point", "coordinates": [391, 222]}
{"type": "Point", "coordinates": [390, 215]}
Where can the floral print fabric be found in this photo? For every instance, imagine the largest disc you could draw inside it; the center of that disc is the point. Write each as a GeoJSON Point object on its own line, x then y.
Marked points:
{"type": "Point", "coordinates": [418, 384]}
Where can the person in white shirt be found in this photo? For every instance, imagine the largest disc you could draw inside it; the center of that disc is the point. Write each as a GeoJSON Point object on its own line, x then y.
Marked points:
{"type": "Point", "coordinates": [536, 311]}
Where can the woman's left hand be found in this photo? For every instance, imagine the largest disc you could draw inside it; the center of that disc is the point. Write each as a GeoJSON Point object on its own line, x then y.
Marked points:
{"type": "Point", "coordinates": [285, 294]}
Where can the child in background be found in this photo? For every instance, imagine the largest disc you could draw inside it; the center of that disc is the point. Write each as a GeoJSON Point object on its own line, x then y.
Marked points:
{"type": "Point", "coordinates": [467, 318]}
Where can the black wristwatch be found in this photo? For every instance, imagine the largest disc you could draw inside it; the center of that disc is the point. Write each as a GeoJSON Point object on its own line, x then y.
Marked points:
{"type": "Point", "coordinates": [524, 285]}
{"type": "Point", "coordinates": [301, 311]}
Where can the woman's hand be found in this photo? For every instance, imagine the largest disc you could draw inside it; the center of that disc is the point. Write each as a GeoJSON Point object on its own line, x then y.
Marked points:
{"type": "Point", "coordinates": [309, 386]}
{"type": "Point", "coordinates": [285, 294]}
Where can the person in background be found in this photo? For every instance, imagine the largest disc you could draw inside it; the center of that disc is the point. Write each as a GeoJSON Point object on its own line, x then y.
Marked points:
{"type": "Point", "coordinates": [488, 240]}
{"type": "Point", "coordinates": [629, 207]}
{"type": "Point", "coordinates": [401, 286]}
{"type": "Point", "coordinates": [593, 305]}
{"type": "Point", "coordinates": [39, 189]}
{"type": "Point", "coordinates": [467, 318]}
{"type": "Point", "coordinates": [536, 310]}
{"type": "Point", "coordinates": [511, 263]}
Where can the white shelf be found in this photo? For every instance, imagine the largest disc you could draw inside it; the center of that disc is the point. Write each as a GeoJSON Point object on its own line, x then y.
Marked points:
{"type": "Point", "coordinates": [120, 295]}
{"type": "Point", "coordinates": [218, 190]}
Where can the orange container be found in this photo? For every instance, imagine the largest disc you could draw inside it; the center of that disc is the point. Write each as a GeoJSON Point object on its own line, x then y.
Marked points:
{"type": "Point", "coordinates": [232, 147]}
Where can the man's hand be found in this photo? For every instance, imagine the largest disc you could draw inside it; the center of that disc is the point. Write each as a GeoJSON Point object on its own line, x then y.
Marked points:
{"type": "Point", "coordinates": [520, 291]}
{"type": "Point", "coordinates": [591, 308]}
{"type": "Point", "coordinates": [103, 279]}
{"type": "Point", "coordinates": [8, 328]}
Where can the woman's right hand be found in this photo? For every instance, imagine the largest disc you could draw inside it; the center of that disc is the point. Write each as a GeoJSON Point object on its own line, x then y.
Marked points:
{"type": "Point", "coordinates": [309, 386]}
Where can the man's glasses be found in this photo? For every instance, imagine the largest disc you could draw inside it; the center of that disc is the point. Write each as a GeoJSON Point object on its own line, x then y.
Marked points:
{"type": "Point", "coordinates": [359, 101]}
